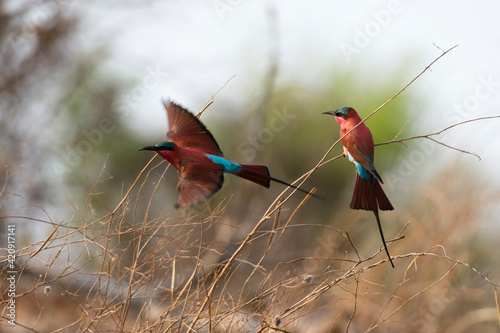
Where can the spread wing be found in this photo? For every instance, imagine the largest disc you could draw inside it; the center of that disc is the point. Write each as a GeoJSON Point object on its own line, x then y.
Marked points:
{"type": "Point", "coordinates": [198, 182]}
{"type": "Point", "coordinates": [186, 131]}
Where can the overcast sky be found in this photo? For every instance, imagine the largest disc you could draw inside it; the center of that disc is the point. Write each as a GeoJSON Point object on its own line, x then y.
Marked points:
{"type": "Point", "coordinates": [188, 50]}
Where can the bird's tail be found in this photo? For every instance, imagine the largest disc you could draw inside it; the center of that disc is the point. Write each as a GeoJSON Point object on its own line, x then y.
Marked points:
{"type": "Point", "coordinates": [260, 174]}
{"type": "Point", "coordinates": [365, 191]}
{"type": "Point", "coordinates": [368, 195]}
{"type": "Point", "coordinates": [256, 173]}
{"type": "Point", "coordinates": [375, 212]}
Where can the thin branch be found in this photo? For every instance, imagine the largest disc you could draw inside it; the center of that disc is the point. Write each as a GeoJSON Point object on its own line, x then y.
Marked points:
{"type": "Point", "coordinates": [412, 298]}
{"type": "Point", "coordinates": [320, 163]}
{"type": "Point", "coordinates": [45, 242]}
{"type": "Point", "coordinates": [277, 203]}
{"type": "Point", "coordinates": [212, 99]}
{"type": "Point", "coordinates": [454, 148]}
{"type": "Point", "coordinates": [352, 244]}
{"type": "Point", "coordinates": [428, 136]}
{"type": "Point", "coordinates": [498, 304]}
{"type": "Point", "coordinates": [404, 88]}
{"type": "Point", "coordinates": [401, 131]}
{"type": "Point", "coordinates": [355, 304]}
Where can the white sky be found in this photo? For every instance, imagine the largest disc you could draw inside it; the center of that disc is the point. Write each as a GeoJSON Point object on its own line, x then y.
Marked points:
{"type": "Point", "coordinates": [197, 46]}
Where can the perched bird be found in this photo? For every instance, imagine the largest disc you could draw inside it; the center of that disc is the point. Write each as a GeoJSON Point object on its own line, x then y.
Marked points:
{"type": "Point", "coordinates": [193, 151]}
{"type": "Point", "coordinates": [358, 147]}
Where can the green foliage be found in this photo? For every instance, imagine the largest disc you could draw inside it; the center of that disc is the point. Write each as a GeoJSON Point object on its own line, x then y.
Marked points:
{"type": "Point", "coordinates": [291, 135]}
{"type": "Point", "coordinates": [98, 142]}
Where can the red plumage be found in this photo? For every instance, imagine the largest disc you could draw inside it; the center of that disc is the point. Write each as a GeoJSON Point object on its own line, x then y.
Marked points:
{"type": "Point", "coordinates": [187, 131]}
{"type": "Point", "coordinates": [260, 174]}
{"type": "Point", "coordinates": [192, 149]}
{"type": "Point", "coordinates": [365, 190]}
{"type": "Point", "coordinates": [256, 173]}
{"type": "Point", "coordinates": [199, 177]}
{"type": "Point", "coordinates": [358, 146]}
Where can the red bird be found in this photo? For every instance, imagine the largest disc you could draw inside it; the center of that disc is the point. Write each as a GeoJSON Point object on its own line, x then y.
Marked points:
{"type": "Point", "coordinates": [358, 147]}
{"type": "Point", "coordinates": [193, 151]}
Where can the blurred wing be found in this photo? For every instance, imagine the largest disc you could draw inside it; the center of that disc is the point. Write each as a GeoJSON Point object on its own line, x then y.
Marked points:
{"type": "Point", "coordinates": [187, 131]}
{"type": "Point", "coordinates": [199, 182]}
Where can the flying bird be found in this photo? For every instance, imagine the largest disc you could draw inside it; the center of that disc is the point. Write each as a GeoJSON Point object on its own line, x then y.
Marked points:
{"type": "Point", "coordinates": [192, 150]}
{"type": "Point", "coordinates": [358, 147]}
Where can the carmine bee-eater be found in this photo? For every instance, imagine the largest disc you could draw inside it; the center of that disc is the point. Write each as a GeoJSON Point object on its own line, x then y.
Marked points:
{"type": "Point", "coordinates": [358, 147]}
{"type": "Point", "coordinates": [193, 151]}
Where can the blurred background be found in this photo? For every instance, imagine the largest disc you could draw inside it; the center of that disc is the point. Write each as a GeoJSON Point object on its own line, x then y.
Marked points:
{"type": "Point", "coordinates": [80, 92]}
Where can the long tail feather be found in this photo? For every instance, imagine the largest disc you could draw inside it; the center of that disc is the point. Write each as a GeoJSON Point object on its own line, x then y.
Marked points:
{"type": "Point", "coordinates": [260, 174]}
{"type": "Point", "coordinates": [299, 189]}
{"type": "Point", "coordinates": [382, 200]}
{"type": "Point", "coordinates": [382, 236]}
{"type": "Point", "coordinates": [368, 195]}
{"type": "Point", "coordinates": [362, 194]}
{"type": "Point", "coordinates": [364, 191]}
{"type": "Point", "coordinates": [256, 173]}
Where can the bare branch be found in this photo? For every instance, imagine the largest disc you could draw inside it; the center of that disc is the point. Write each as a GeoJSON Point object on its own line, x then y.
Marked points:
{"type": "Point", "coordinates": [212, 99]}
{"type": "Point", "coordinates": [428, 136]}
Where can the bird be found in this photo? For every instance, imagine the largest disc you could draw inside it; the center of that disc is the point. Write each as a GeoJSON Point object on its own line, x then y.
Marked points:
{"type": "Point", "coordinates": [358, 147]}
{"type": "Point", "coordinates": [192, 150]}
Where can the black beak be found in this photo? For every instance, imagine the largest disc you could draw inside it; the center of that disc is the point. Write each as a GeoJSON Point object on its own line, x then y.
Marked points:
{"type": "Point", "coordinates": [153, 148]}
{"type": "Point", "coordinates": [333, 113]}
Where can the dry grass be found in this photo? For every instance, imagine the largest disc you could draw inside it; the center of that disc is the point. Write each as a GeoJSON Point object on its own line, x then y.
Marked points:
{"type": "Point", "coordinates": [144, 267]}
{"type": "Point", "coordinates": [182, 271]}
